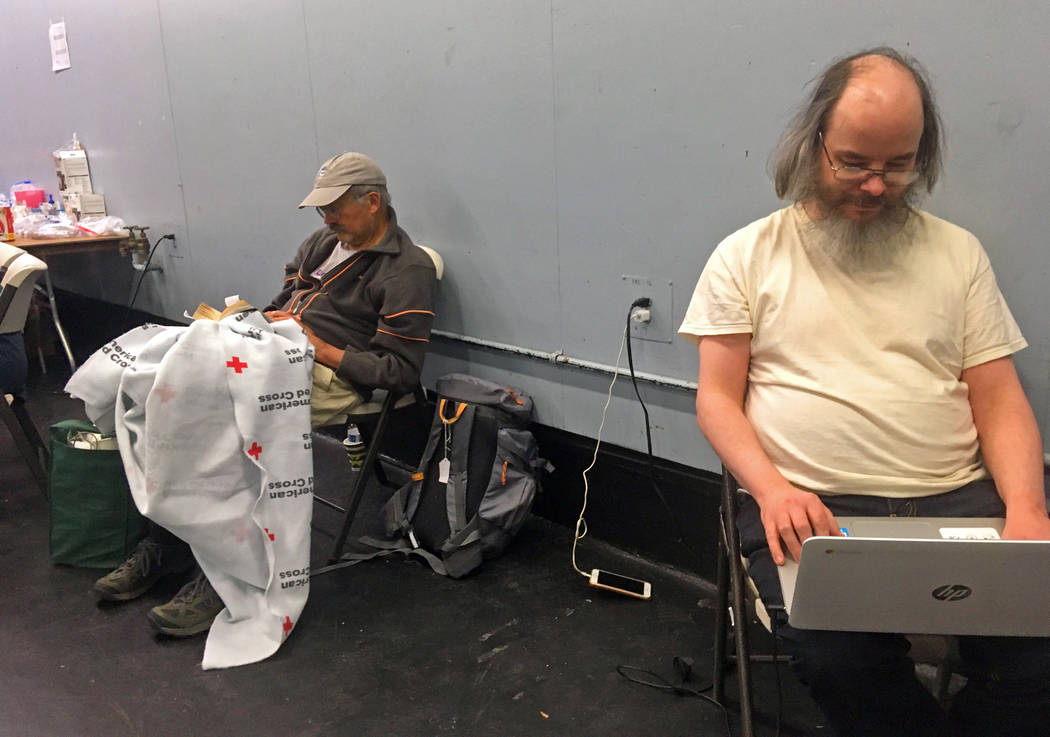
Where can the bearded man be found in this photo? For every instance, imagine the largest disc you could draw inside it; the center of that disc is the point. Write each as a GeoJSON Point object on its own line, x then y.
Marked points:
{"type": "Point", "coordinates": [855, 359]}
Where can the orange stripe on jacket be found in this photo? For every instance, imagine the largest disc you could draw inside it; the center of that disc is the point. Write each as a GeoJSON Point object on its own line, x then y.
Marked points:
{"type": "Point", "coordinates": [408, 312]}
{"type": "Point", "coordinates": [326, 282]}
{"type": "Point", "coordinates": [403, 337]}
{"type": "Point", "coordinates": [316, 295]}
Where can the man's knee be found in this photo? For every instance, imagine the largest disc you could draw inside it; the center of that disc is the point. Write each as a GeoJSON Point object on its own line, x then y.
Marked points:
{"type": "Point", "coordinates": [840, 658]}
{"type": "Point", "coordinates": [1008, 692]}
{"type": "Point", "coordinates": [1009, 665]}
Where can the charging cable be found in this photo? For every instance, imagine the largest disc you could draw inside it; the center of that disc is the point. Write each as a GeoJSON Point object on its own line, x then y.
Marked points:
{"type": "Point", "coordinates": [581, 523]}
{"type": "Point", "coordinates": [142, 275]}
{"type": "Point", "coordinates": [641, 307]}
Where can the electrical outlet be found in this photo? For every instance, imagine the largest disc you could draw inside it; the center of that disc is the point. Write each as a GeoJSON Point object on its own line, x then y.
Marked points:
{"type": "Point", "coordinates": [661, 292]}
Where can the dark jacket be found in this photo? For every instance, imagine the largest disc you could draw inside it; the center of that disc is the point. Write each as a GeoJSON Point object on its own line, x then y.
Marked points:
{"type": "Point", "coordinates": [377, 304]}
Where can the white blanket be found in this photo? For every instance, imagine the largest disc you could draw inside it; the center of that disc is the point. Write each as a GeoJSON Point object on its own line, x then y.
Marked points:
{"type": "Point", "coordinates": [213, 423]}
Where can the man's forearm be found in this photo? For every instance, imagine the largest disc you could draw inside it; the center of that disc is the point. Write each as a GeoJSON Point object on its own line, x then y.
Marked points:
{"type": "Point", "coordinates": [1008, 436]}
{"type": "Point", "coordinates": [730, 433]}
{"type": "Point", "coordinates": [1013, 453]}
{"type": "Point", "coordinates": [328, 355]}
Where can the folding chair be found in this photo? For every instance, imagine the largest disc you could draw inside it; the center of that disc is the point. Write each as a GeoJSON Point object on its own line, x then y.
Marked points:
{"type": "Point", "coordinates": [735, 588]}
{"type": "Point", "coordinates": [331, 465]}
{"type": "Point", "coordinates": [20, 272]}
{"type": "Point", "coordinates": [732, 579]}
{"type": "Point", "coordinates": [332, 469]}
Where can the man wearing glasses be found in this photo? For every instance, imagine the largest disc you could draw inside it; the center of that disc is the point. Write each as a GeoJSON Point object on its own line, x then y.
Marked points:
{"type": "Point", "coordinates": [855, 360]}
{"type": "Point", "coordinates": [363, 292]}
{"type": "Point", "coordinates": [360, 288]}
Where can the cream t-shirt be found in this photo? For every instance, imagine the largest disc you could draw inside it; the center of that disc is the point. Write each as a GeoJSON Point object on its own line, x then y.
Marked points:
{"type": "Point", "coordinates": [854, 380]}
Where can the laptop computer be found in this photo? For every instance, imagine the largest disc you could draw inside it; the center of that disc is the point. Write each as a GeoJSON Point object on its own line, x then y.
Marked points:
{"type": "Point", "coordinates": [920, 576]}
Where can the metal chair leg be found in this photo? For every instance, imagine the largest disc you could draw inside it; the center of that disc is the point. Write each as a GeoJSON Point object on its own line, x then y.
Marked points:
{"type": "Point", "coordinates": [27, 439]}
{"type": "Point", "coordinates": [739, 606]}
{"type": "Point", "coordinates": [362, 478]}
{"type": "Point", "coordinates": [721, 623]}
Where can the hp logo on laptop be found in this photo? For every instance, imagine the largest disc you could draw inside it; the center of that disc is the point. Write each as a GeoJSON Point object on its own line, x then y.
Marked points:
{"type": "Point", "coordinates": [951, 592]}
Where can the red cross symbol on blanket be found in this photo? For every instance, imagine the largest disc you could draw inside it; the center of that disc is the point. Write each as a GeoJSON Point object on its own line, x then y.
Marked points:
{"type": "Point", "coordinates": [164, 393]}
{"type": "Point", "coordinates": [268, 533]}
{"type": "Point", "coordinates": [236, 364]}
{"type": "Point", "coordinates": [255, 451]}
{"type": "Point", "coordinates": [287, 625]}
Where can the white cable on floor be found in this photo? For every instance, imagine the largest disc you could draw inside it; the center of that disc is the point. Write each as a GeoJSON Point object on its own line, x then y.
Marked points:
{"type": "Point", "coordinates": [581, 523]}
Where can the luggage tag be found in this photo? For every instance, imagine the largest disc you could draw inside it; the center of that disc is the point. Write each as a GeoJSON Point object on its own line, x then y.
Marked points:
{"type": "Point", "coordinates": [445, 465]}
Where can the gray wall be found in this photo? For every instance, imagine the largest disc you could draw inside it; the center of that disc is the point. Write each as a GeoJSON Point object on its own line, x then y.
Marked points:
{"type": "Point", "coordinates": [546, 149]}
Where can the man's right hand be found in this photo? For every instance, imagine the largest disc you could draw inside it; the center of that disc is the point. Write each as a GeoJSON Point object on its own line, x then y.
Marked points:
{"type": "Point", "coordinates": [792, 516]}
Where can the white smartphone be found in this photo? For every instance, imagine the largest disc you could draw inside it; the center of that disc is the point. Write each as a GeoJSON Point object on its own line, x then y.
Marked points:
{"type": "Point", "coordinates": [620, 584]}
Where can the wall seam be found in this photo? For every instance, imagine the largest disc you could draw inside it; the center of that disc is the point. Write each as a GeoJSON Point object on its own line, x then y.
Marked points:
{"type": "Point", "coordinates": [557, 197]}
{"type": "Point", "coordinates": [310, 83]}
{"type": "Point", "coordinates": [188, 253]}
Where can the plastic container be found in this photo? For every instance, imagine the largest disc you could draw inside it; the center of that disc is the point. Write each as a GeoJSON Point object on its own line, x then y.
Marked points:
{"type": "Point", "coordinates": [49, 208]}
{"type": "Point", "coordinates": [355, 447]}
{"type": "Point", "coordinates": [28, 194]}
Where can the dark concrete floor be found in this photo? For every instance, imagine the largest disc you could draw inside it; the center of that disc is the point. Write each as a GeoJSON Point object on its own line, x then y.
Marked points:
{"type": "Point", "coordinates": [524, 647]}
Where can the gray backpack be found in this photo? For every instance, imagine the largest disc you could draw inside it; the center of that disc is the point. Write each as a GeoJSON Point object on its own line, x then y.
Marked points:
{"type": "Point", "coordinates": [475, 483]}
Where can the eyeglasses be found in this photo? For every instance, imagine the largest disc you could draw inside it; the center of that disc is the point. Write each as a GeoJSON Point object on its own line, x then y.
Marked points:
{"type": "Point", "coordinates": [861, 174]}
{"type": "Point", "coordinates": [331, 208]}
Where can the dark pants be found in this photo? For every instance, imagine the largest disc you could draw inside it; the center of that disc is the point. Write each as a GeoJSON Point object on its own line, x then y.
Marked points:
{"type": "Point", "coordinates": [865, 682]}
{"type": "Point", "coordinates": [175, 555]}
{"type": "Point", "coordinates": [13, 363]}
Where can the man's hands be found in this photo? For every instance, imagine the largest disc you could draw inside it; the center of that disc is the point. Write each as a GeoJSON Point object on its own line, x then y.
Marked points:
{"type": "Point", "coordinates": [277, 315]}
{"type": "Point", "coordinates": [324, 353]}
{"type": "Point", "coordinates": [790, 517]}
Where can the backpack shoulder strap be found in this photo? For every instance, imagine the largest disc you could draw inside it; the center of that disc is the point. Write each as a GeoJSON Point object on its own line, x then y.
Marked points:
{"type": "Point", "coordinates": [401, 507]}
{"type": "Point", "coordinates": [459, 455]}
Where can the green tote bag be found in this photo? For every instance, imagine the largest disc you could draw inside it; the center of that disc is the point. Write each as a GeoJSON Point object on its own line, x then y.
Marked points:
{"type": "Point", "coordinates": [94, 522]}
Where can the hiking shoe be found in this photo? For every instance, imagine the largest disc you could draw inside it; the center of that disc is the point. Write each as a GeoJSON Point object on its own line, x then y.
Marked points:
{"type": "Point", "coordinates": [190, 611]}
{"type": "Point", "coordinates": [133, 577]}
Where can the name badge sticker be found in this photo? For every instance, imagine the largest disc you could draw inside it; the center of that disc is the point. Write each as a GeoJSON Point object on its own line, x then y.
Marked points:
{"type": "Point", "coordinates": [969, 533]}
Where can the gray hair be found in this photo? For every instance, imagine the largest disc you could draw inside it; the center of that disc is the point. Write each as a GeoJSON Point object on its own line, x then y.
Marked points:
{"type": "Point", "coordinates": [359, 191]}
{"type": "Point", "coordinates": [795, 155]}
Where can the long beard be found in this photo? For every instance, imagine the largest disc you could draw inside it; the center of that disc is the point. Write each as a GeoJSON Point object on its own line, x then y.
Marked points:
{"type": "Point", "coordinates": [864, 247]}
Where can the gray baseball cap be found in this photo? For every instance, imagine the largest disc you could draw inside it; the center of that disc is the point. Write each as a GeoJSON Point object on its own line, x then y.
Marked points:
{"type": "Point", "coordinates": [338, 174]}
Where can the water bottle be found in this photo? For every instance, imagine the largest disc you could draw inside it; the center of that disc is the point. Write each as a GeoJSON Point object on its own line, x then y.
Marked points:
{"type": "Point", "coordinates": [49, 209]}
{"type": "Point", "coordinates": [355, 447]}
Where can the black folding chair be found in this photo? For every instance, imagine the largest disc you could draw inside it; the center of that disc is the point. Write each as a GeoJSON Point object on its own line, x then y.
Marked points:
{"type": "Point", "coordinates": [20, 272]}
{"type": "Point", "coordinates": [332, 472]}
{"type": "Point", "coordinates": [731, 602]}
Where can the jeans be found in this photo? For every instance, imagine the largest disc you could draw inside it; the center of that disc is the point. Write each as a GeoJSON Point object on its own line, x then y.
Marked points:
{"type": "Point", "coordinates": [865, 682]}
{"type": "Point", "coordinates": [13, 363]}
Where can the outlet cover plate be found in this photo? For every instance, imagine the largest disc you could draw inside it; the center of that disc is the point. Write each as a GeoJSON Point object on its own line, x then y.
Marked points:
{"type": "Point", "coordinates": [661, 291]}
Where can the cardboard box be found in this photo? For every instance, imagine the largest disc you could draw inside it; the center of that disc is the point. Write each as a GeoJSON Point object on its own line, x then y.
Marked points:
{"type": "Point", "coordinates": [84, 205]}
{"type": "Point", "coordinates": [70, 165]}
{"type": "Point", "coordinates": [77, 184]}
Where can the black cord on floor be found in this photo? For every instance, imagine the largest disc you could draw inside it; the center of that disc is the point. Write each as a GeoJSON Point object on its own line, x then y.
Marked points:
{"type": "Point", "coordinates": [655, 680]}
{"type": "Point", "coordinates": [644, 302]}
